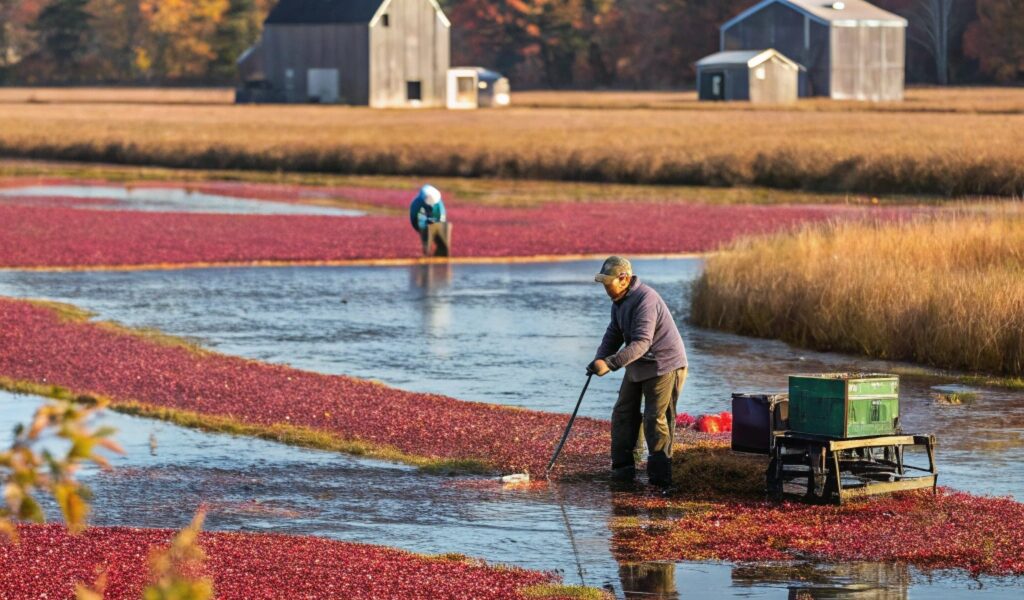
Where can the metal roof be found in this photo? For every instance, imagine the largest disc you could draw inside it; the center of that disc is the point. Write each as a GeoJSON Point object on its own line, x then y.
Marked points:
{"type": "Point", "coordinates": [747, 58]}
{"type": "Point", "coordinates": [729, 57]}
{"type": "Point", "coordinates": [829, 12]}
{"type": "Point", "coordinates": [292, 12]}
{"type": "Point", "coordinates": [482, 73]}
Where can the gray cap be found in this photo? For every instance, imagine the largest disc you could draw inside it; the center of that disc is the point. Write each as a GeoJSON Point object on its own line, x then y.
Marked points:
{"type": "Point", "coordinates": [613, 267]}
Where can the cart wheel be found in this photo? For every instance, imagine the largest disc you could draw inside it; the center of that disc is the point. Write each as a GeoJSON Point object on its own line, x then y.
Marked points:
{"type": "Point", "coordinates": [773, 481]}
{"type": "Point", "coordinates": [830, 493]}
{"type": "Point", "coordinates": [817, 474]}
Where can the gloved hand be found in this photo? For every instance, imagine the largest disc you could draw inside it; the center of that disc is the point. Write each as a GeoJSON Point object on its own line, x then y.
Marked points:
{"type": "Point", "coordinates": [598, 367]}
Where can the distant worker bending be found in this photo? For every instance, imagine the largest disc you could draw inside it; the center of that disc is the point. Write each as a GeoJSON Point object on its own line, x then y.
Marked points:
{"type": "Point", "coordinates": [428, 217]}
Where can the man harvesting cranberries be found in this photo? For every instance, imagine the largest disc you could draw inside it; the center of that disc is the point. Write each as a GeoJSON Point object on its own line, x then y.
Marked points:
{"type": "Point", "coordinates": [643, 338]}
{"type": "Point", "coordinates": [428, 217]}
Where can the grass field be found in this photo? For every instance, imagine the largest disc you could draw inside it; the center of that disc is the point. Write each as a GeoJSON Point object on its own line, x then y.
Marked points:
{"type": "Point", "coordinates": [943, 292]}
{"type": "Point", "coordinates": [865, 151]}
{"type": "Point", "coordinates": [986, 100]}
{"type": "Point", "coordinates": [989, 100]}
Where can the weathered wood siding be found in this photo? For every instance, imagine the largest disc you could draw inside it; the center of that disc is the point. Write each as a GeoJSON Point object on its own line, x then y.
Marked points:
{"type": "Point", "coordinates": [779, 85]}
{"type": "Point", "coordinates": [414, 46]}
{"type": "Point", "coordinates": [298, 48]}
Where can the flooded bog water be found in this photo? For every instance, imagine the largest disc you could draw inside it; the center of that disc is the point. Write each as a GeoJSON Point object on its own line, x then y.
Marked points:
{"type": "Point", "coordinates": [160, 199]}
{"type": "Point", "coordinates": [256, 485]}
{"type": "Point", "coordinates": [519, 335]}
{"type": "Point", "coordinates": [510, 334]}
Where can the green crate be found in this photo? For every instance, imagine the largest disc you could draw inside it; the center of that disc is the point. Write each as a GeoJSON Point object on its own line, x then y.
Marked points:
{"type": "Point", "coordinates": [844, 405]}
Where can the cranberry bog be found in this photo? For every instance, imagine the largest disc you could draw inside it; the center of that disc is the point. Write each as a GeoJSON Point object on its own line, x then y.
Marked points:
{"type": "Point", "coordinates": [400, 393]}
{"type": "Point", "coordinates": [52, 223]}
{"type": "Point", "coordinates": [658, 541]}
{"type": "Point", "coordinates": [245, 566]}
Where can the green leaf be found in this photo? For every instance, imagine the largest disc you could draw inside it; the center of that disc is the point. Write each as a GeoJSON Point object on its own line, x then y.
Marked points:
{"type": "Point", "coordinates": [29, 510]}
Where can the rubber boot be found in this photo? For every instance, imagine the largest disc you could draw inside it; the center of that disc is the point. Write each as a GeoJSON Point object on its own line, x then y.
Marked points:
{"type": "Point", "coordinates": [659, 470]}
{"type": "Point", "coordinates": [624, 474]}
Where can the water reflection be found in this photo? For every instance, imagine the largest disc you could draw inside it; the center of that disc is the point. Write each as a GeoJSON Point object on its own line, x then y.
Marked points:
{"type": "Point", "coordinates": [431, 281]}
{"type": "Point", "coordinates": [807, 581]}
{"type": "Point", "coordinates": [515, 334]}
{"type": "Point", "coordinates": [649, 580]}
{"type": "Point", "coordinates": [164, 199]}
{"type": "Point", "coordinates": [256, 485]}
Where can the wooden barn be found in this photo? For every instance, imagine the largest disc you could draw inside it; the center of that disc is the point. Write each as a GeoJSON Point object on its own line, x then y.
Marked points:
{"type": "Point", "coordinates": [851, 49]}
{"type": "Point", "coordinates": [380, 53]}
{"type": "Point", "coordinates": [760, 76]}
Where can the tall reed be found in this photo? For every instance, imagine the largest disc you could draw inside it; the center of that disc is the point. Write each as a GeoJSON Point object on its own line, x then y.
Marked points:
{"type": "Point", "coordinates": [943, 292]}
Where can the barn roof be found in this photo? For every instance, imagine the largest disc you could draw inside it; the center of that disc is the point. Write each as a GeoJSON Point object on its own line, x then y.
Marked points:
{"type": "Point", "coordinates": [293, 12]}
{"type": "Point", "coordinates": [828, 12]}
{"type": "Point", "coordinates": [748, 58]}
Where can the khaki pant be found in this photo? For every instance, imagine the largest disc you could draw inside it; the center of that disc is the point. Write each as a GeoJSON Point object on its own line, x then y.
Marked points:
{"type": "Point", "coordinates": [659, 396]}
{"type": "Point", "coordinates": [437, 235]}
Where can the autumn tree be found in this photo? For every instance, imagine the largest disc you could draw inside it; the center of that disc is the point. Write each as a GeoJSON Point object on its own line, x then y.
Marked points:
{"type": "Point", "coordinates": [179, 40]}
{"type": "Point", "coordinates": [238, 29]}
{"type": "Point", "coordinates": [996, 39]}
{"type": "Point", "coordinates": [63, 31]}
{"type": "Point", "coordinates": [120, 34]}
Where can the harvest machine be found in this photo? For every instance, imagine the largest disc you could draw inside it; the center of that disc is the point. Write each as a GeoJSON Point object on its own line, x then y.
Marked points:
{"type": "Point", "coordinates": [833, 437]}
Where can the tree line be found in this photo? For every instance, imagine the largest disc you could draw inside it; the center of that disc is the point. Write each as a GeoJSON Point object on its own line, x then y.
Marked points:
{"type": "Point", "coordinates": [538, 43]}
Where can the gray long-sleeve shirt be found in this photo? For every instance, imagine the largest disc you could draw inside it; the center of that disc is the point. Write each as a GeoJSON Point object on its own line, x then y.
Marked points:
{"type": "Point", "coordinates": [642, 321]}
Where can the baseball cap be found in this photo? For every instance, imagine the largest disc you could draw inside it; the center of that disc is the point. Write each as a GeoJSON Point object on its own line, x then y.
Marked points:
{"type": "Point", "coordinates": [613, 267]}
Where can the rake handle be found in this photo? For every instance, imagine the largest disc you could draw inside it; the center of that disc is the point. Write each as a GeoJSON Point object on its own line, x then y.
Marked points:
{"type": "Point", "coordinates": [568, 427]}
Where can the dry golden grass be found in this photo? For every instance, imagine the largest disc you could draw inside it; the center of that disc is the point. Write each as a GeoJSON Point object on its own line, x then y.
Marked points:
{"type": "Point", "coordinates": [109, 95]}
{"type": "Point", "coordinates": [946, 292]}
{"type": "Point", "coordinates": [868, 152]}
{"type": "Point", "coordinates": [992, 100]}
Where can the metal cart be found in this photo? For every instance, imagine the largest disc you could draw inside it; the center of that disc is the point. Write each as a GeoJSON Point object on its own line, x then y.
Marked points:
{"type": "Point", "coordinates": [824, 469]}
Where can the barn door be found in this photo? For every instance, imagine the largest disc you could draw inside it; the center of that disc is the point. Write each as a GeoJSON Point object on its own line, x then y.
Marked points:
{"type": "Point", "coordinates": [718, 86]}
{"type": "Point", "coordinates": [712, 85]}
{"type": "Point", "coordinates": [322, 86]}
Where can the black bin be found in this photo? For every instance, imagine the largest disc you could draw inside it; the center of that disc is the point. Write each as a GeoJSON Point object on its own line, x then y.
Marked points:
{"type": "Point", "coordinates": [755, 417]}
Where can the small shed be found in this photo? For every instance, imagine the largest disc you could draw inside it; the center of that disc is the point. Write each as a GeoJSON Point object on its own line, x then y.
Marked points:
{"type": "Point", "coordinates": [476, 87]}
{"type": "Point", "coordinates": [760, 76]}
{"type": "Point", "coordinates": [850, 48]}
{"type": "Point", "coordinates": [380, 53]}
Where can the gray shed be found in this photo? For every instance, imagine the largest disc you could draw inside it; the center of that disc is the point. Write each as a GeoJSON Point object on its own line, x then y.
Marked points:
{"type": "Point", "coordinates": [851, 49]}
{"type": "Point", "coordinates": [760, 76]}
{"type": "Point", "coordinates": [380, 53]}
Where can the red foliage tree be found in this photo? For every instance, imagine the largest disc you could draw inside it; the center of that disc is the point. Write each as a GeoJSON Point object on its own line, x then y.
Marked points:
{"type": "Point", "coordinates": [996, 39]}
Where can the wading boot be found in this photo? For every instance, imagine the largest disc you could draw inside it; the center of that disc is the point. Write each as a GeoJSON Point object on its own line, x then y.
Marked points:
{"type": "Point", "coordinates": [624, 474]}
{"type": "Point", "coordinates": [623, 479]}
{"type": "Point", "coordinates": [659, 470]}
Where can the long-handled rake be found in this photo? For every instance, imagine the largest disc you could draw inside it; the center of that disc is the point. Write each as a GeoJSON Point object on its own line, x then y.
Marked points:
{"type": "Point", "coordinates": [568, 427]}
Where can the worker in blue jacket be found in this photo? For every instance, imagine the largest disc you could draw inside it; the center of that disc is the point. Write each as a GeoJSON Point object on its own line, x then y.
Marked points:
{"type": "Point", "coordinates": [428, 217]}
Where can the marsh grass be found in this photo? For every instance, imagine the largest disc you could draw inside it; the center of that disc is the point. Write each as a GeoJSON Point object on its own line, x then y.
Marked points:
{"type": "Point", "coordinates": [858, 150]}
{"type": "Point", "coordinates": [990, 100]}
{"type": "Point", "coordinates": [717, 471]}
{"type": "Point", "coordinates": [573, 592]}
{"type": "Point", "coordinates": [75, 314]}
{"type": "Point", "coordinates": [306, 437]}
{"type": "Point", "coordinates": [465, 190]}
{"type": "Point", "coordinates": [956, 398]}
{"type": "Point", "coordinates": [944, 292]}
